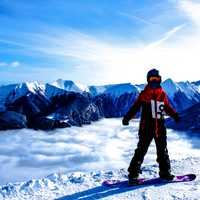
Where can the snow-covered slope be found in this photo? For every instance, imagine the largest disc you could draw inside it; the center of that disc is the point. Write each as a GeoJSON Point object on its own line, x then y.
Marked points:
{"type": "Point", "coordinates": [189, 89]}
{"type": "Point", "coordinates": [182, 94]}
{"type": "Point", "coordinates": [96, 90]}
{"type": "Point", "coordinates": [51, 91]}
{"type": "Point", "coordinates": [82, 158]}
{"type": "Point", "coordinates": [87, 186]}
{"type": "Point", "coordinates": [115, 90]}
{"type": "Point", "coordinates": [170, 87]}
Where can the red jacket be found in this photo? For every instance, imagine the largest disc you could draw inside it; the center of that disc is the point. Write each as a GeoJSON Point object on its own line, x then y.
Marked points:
{"type": "Point", "coordinates": [154, 104]}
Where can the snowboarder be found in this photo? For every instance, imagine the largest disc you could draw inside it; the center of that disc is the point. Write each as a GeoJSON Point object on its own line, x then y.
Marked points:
{"type": "Point", "coordinates": [155, 104]}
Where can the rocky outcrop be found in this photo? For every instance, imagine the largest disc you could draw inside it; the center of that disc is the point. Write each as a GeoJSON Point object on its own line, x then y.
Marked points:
{"type": "Point", "coordinates": [76, 108]}
{"type": "Point", "coordinates": [110, 106]}
{"type": "Point", "coordinates": [12, 120]}
{"type": "Point", "coordinates": [45, 123]}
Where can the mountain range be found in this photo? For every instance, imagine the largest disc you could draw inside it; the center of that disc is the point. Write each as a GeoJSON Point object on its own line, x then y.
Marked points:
{"type": "Point", "coordinates": [65, 103]}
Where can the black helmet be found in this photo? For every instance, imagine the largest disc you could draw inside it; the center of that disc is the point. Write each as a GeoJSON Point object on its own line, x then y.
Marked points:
{"type": "Point", "coordinates": [153, 72]}
{"type": "Point", "coordinates": [153, 78]}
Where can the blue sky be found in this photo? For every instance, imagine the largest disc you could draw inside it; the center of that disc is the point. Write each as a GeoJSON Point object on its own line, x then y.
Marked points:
{"type": "Point", "coordinates": [98, 42]}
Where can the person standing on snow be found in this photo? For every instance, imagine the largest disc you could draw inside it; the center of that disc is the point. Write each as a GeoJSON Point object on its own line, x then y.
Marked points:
{"type": "Point", "coordinates": [155, 104]}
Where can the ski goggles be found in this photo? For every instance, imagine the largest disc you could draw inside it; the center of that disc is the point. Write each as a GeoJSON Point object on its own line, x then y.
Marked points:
{"type": "Point", "coordinates": [155, 78]}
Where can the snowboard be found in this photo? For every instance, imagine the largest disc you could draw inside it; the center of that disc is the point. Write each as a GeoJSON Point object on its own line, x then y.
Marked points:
{"type": "Point", "coordinates": [148, 181]}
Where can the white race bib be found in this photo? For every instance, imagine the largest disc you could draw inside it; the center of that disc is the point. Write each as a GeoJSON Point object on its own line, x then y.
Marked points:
{"type": "Point", "coordinates": [157, 109]}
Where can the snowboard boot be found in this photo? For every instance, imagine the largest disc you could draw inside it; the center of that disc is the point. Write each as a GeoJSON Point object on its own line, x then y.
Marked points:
{"type": "Point", "coordinates": [133, 179]}
{"type": "Point", "coordinates": [166, 176]}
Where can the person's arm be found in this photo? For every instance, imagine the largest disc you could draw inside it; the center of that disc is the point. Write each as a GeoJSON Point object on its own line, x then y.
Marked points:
{"type": "Point", "coordinates": [170, 110]}
{"type": "Point", "coordinates": [132, 111]}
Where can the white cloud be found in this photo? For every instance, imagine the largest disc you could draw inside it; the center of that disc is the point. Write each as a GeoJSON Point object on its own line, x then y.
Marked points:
{"type": "Point", "coordinates": [102, 145]}
{"type": "Point", "coordinates": [15, 64]}
{"type": "Point", "coordinates": [166, 37]}
{"type": "Point", "coordinates": [174, 53]}
{"type": "Point", "coordinates": [192, 10]}
{"type": "Point", "coordinates": [111, 61]}
{"type": "Point", "coordinates": [136, 18]}
{"type": "Point", "coordinates": [10, 64]}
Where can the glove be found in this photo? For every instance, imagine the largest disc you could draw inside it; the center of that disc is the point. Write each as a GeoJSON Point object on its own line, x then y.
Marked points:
{"type": "Point", "coordinates": [176, 118]}
{"type": "Point", "coordinates": [125, 122]}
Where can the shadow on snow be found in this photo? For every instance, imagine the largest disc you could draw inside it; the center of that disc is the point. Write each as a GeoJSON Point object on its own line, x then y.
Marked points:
{"type": "Point", "coordinates": [104, 191]}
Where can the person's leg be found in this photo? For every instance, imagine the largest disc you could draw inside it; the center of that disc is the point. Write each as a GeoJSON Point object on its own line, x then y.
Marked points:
{"type": "Point", "coordinates": [141, 150]}
{"type": "Point", "coordinates": [162, 155]}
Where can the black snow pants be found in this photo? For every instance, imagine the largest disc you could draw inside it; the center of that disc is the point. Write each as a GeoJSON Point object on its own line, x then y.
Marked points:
{"type": "Point", "coordinates": [145, 138]}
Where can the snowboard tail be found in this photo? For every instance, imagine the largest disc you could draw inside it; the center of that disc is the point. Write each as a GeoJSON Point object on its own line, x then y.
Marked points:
{"type": "Point", "coordinates": [149, 181]}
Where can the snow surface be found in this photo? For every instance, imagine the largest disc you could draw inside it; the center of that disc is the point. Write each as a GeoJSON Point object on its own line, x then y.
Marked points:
{"type": "Point", "coordinates": [96, 90]}
{"type": "Point", "coordinates": [80, 159]}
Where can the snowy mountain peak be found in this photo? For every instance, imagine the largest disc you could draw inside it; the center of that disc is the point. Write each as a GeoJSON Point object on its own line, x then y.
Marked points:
{"type": "Point", "coordinates": [170, 87]}
{"type": "Point", "coordinates": [182, 94]}
{"type": "Point", "coordinates": [69, 85]}
{"type": "Point", "coordinates": [25, 88]}
{"type": "Point", "coordinates": [33, 87]}
{"type": "Point", "coordinates": [169, 81]}
{"type": "Point", "coordinates": [60, 83]}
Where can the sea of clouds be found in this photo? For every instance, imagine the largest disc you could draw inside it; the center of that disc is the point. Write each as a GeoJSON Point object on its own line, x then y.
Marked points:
{"type": "Point", "coordinates": [103, 145]}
